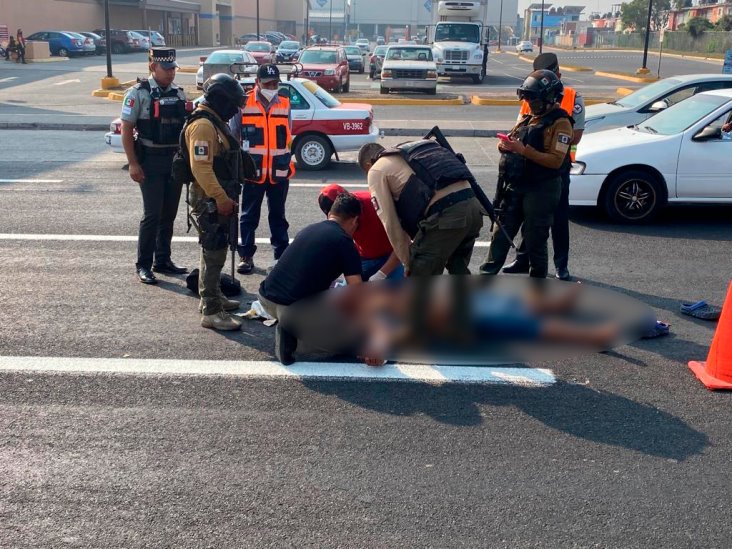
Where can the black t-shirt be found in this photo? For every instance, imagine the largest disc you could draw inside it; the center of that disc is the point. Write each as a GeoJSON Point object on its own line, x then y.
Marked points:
{"type": "Point", "coordinates": [319, 254]}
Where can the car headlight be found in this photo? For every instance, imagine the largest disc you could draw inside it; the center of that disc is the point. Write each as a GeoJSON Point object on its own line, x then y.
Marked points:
{"type": "Point", "coordinates": [329, 72]}
{"type": "Point", "coordinates": [478, 55]}
{"type": "Point", "coordinates": [440, 60]}
{"type": "Point", "coordinates": [578, 168]}
{"type": "Point", "coordinates": [386, 73]}
{"type": "Point", "coordinates": [431, 74]}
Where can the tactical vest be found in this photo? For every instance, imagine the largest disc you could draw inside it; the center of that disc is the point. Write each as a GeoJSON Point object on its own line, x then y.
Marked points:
{"type": "Point", "coordinates": [434, 168]}
{"type": "Point", "coordinates": [266, 137]}
{"type": "Point", "coordinates": [167, 115]}
{"type": "Point", "coordinates": [567, 106]}
{"type": "Point", "coordinates": [533, 136]}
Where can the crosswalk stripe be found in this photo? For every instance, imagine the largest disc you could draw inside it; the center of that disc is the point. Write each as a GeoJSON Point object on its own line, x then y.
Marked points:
{"type": "Point", "coordinates": [335, 371]}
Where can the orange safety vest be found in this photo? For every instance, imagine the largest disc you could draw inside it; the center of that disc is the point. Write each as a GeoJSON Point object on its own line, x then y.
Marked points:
{"type": "Point", "coordinates": [567, 106]}
{"type": "Point", "coordinates": [267, 137]}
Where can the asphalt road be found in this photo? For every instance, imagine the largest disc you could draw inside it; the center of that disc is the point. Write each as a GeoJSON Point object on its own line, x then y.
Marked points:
{"type": "Point", "coordinates": [626, 449]}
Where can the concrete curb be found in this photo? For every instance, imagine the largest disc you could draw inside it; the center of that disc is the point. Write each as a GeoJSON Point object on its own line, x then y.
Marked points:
{"type": "Point", "coordinates": [513, 102]}
{"type": "Point", "coordinates": [626, 77]}
{"type": "Point", "coordinates": [622, 92]}
{"type": "Point", "coordinates": [117, 91]}
{"type": "Point", "coordinates": [189, 70]}
{"type": "Point", "coordinates": [49, 60]}
{"type": "Point", "coordinates": [391, 132]}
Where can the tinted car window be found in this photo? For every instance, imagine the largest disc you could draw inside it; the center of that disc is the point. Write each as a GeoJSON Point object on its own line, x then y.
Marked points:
{"type": "Point", "coordinates": [317, 56]}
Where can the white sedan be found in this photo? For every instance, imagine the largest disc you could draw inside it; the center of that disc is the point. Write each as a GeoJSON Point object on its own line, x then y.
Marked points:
{"type": "Point", "coordinates": [651, 99]}
{"type": "Point", "coordinates": [321, 125]}
{"type": "Point", "coordinates": [681, 155]}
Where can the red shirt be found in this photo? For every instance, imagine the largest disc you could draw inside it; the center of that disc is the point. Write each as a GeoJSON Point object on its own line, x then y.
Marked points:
{"type": "Point", "coordinates": [370, 237]}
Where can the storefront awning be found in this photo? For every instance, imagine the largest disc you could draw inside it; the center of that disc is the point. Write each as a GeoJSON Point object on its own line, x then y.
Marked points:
{"type": "Point", "coordinates": [173, 5]}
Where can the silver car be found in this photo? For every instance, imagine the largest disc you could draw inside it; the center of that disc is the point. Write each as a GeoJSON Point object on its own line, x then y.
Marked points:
{"type": "Point", "coordinates": [156, 39]}
{"type": "Point", "coordinates": [220, 61]}
{"type": "Point", "coordinates": [409, 68]}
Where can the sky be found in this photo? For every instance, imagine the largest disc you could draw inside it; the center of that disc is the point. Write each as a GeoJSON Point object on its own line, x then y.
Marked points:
{"type": "Point", "coordinates": [601, 6]}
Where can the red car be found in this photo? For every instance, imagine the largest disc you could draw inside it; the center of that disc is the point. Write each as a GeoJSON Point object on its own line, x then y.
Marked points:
{"type": "Point", "coordinates": [327, 66]}
{"type": "Point", "coordinates": [263, 52]}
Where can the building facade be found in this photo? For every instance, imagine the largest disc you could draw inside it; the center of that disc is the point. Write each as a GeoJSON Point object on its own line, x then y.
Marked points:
{"type": "Point", "coordinates": [711, 12]}
{"type": "Point", "coordinates": [555, 20]}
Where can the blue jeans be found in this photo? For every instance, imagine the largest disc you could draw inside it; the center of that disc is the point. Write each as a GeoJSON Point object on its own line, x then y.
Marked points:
{"type": "Point", "coordinates": [369, 267]}
{"type": "Point", "coordinates": [252, 195]}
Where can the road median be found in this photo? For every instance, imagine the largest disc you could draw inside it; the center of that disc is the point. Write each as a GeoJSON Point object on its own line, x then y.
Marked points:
{"type": "Point", "coordinates": [509, 101]}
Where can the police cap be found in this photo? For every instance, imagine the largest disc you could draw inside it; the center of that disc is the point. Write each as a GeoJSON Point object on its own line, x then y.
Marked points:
{"type": "Point", "coordinates": [165, 57]}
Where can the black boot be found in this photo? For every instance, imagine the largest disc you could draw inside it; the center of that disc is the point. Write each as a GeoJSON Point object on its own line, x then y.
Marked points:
{"type": "Point", "coordinates": [285, 345]}
{"type": "Point", "coordinates": [516, 267]}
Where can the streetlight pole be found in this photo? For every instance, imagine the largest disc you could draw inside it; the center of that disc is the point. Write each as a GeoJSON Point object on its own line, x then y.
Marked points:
{"type": "Point", "coordinates": [257, 19]}
{"type": "Point", "coordinates": [644, 69]}
{"type": "Point", "coordinates": [330, 23]}
{"type": "Point", "coordinates": [541, 29]}
{"type": "Point", "coordinates": [307, 22]}
{"type": "Point", "coordinates": [109, 81]}
{"type": "Point", "coordinates": [500, 24]}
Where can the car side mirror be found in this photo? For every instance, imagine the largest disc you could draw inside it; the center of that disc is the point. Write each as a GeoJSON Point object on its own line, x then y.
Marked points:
{"type": "Point", "coordinates": [708, 133]}
{"type": "Point", "coordinates": [658, 106]}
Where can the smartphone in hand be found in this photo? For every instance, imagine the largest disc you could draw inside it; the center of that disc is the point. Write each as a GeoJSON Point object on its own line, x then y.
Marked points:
{"type": "Point", "coordinates": [503, 137]}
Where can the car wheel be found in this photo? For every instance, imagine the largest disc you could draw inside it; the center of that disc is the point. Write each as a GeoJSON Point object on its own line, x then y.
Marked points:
{"type": "Point", "coordinates": [63, 52]}
{"type": "Point", "coordinates": [339, 87]}
{"type": "Point", "coordinates": [313, 152]}
{"type": "Point", "coordinates": [633, 196]}
{"type": "Point", "coordinates": [432, 91]}
{"type": "Point", "coordinates": [361, 70]}
{"type": "Point", "coordinates": [384, 90]}
{"type": "Point", "coordinates": [347, 87]}
{"type": "Point", "coordinates": [478, 78]}
{"type": "Point", "coordinates": [117, 48]}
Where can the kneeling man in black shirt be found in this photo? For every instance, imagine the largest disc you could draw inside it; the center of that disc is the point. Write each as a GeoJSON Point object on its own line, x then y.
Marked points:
{"type": "Point", "coordinates": [319, 254]}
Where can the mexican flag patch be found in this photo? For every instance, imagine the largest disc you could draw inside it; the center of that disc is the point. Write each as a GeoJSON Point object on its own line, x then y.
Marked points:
{"type": "Point", "coordinates": [129, 101]}
{"type": "Point", "coordinates": [200, 150]}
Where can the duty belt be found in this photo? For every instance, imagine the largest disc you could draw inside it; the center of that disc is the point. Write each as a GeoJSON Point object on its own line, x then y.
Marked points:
{"type": "Point", "coordinates": [450, 200]}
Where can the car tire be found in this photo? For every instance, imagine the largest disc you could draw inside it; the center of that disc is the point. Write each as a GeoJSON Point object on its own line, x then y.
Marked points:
{"type": "Point", "coordinates": [632, 196]}
{"type": "Point", "coordinates": [384, 90]}
{"type": "Point", "coordinates": [313, 152]}
{"type": "Point", "coordinates": [361, 70]}
{"type": "Point", "coordinates": [62, 52]}
{"type": "Point", "coordinates": [347, 87]}
{"type": "Point", "coordinates": [432, 92]}
{"type": "Point", "coordinates": [339, 87]}
{"type": "Point", "coordinates": [118, 48]}
{"type": "Point", "coordinates": [478, 78]}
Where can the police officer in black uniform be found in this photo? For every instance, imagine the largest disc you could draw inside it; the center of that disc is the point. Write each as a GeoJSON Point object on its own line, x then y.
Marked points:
{"type": "Point", "coordinates": [156, 108]}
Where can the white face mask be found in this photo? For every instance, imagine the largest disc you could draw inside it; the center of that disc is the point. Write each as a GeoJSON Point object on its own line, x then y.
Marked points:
{"type": "Point", "coordinates": [269, 95]}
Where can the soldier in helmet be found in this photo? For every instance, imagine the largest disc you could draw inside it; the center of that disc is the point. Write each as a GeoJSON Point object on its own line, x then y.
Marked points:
{"type": "Point", "coordinates": [216, 166]}
{"type": "Point", "coordinates": [156, 108]}
{"type": "Point", "coordinates": [530, 173]}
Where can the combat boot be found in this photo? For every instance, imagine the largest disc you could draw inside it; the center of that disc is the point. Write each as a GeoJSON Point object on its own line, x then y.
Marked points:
{"type": "Point", "coordinates": [246, 265]}
{"type": "Point", "coordinates": [227, 304]}
{"type": "Point", "coordinates": [220, 321]}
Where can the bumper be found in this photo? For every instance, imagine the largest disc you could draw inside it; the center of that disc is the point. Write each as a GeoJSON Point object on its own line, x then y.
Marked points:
{"type": "Point", "coordinates": [444, 69]}
{"type": "Point", "coordinates": [114, 140]}
{"type": "Point", "coordinates": [584, 190]}
{"type": "Point", "coordinates": [329, 83]}
{"type": "Point", "coordinates": [355, 65]}
{"type": "Point", "coordinates": [406, 84]}
{"type": "Point", "coordinates": [344, 143]}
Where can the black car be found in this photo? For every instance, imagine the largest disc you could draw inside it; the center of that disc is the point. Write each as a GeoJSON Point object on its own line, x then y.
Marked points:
{"type": "Point", "coordinates": [244, 39]}
{"type": "Point", "coordinates": [119, 41]}
{"type": "Point", "coordinates": [99, 42]}
{"type": "Point", "coordinates": [355, 59]}
{"type": "Point", "coordinates": [287, 50]}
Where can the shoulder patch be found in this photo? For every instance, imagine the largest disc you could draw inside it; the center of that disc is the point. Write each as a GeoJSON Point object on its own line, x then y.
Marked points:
{"type": "Point", "coordinates": [200, 150]}
{"type": "Point", "coordinates": [577, 108]}
{"type": "Point", "coordinates": [564, 138]}
{"type": "Point", "coordinates": [129, 101]}
{"type": "Point", "coordinates": [375, 203]}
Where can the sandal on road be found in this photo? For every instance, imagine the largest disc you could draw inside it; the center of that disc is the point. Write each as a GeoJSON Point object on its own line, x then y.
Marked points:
{"type": "Point", "coordinates": [701, 309]}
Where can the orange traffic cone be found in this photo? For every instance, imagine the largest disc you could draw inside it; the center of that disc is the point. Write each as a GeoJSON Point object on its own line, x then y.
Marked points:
{"type": "Point", "coordinates": [716, 372]}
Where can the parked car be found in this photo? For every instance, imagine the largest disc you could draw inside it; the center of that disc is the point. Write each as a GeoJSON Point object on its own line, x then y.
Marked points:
{"type": "Point", "coordinates": [263, 52]}
{"type": "Point", "coordinates": [680, 155]}
{"type": "Point", "coordinates": [274, 38]}
{"type": "Point", "coordinates": [355, 59]}
{"type": "Point", "coordinates": [321, 125]}
{"type": "Point", "coordinates": [287, 50]}
{"type": "Point", "coordinates": [409, 68]}
{"type": "Point", "coordinates": [142, 43]}
{"type": "Point", "coordinates": [524, 46]}
{"type": "Point", "coordinates": [651, 99]}
{"type": "Point", "coordinates": [328, 66]}
{"type": "Point", "coordinates": [220, 61]}
{"type": "Point", "coordinates": [244, 39]}
{"type": "Point", "coordinates": [156, 39]}
{"type": "Point", "coordinates": [380, 41]}
{"type": "Point", "coordinates": [61, 43]}
{"type": "Point", "coordinates": [377, 61]}
{"type": "Point", "coordinates": [363, 43]}
{"type": "Point", "coordinates": [100, 44]}
{"type": "Point", "coordinates": [89, 46]}
{"type": "Point", "coordinates": [120, 41]}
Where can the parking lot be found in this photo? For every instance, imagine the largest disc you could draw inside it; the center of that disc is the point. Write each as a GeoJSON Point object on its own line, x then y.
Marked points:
{"type": "Point", "coordinates": [621, 449]}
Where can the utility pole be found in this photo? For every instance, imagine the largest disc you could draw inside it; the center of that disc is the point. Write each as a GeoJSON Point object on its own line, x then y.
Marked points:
{"type": "Point", "coordinates": [644, 69]}
{"type": "Point", "coordinates": [257, 19]}
{"type": "Point", "coordinates": [330, 23]}
{"type": "Point", "coordinates": [109, 81]}
{"type": "Point", "coordinates": [500, 25]}
{"type": "Point", "coordinates": [307, 23]}
{"type": "Point", "coordinates": [541, 29]}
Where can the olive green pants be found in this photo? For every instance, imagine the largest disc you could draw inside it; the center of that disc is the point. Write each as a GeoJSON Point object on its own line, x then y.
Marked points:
{"type": "Point", "coordinates": [534, 210]}
{"type": "Point", "coordinates": [446, 239]}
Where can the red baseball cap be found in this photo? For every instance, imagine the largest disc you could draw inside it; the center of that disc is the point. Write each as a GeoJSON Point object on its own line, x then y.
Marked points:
{"type": "Point", "coordinates": [332, 191]}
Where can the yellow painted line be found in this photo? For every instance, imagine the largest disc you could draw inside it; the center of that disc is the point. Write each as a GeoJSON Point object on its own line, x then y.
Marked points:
{"type": "Point", "coordinates": [622, 92]}
{"type": "Point", "coordinates": [193, 70]}
{"type": "Point", "coordinates": [627, 77]}
{"type": "Point", "coordinates": [509, 102]}
{"type": "Point", "coordinates": [116, 96]}
{"type": "Point", "coordinates": [101, 93]}
{"type": "Point", "coordinates": [406, 102]}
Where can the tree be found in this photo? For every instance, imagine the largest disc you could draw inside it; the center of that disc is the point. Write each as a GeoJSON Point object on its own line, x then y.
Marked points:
{"type": "Point", "coordinates": [724, 23]}
{"type": "Point", "coordinates": [697, 25]}
{"type": "Point", "coordinates": [634, 14]}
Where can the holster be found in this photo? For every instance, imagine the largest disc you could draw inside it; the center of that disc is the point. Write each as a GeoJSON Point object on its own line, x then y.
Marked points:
{"type": "Point", "coordinates": [213, 229]}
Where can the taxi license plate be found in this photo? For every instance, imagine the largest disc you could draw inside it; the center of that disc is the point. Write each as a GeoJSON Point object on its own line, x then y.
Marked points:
{"type": "Point", "coordinates": [410, 84]}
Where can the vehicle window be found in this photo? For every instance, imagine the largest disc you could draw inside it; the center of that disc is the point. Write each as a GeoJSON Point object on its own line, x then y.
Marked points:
{"type": "Point", "coordinates": [679, 117]}
{"type": "Point", "coordinates": [297, 101]}
{"type": "Point", "coordinates": [318, 57]}
{"type": "Point", "coordinates": [381, 50]}
{"type": "Point", "coordinates": [353, 51]}
{"type": "Point", "coordinates": [289, 45]}
{"type": "Point", "coordinates": [323, 96]}
{"type": "Point", "coordinates": [224, 58]}
{"type": "Point", "coordinates": [457, 33]}
{"type": "Point", "coordinates": [647, 93]}
{"type": "Point", "coordinates": [258, 47]}
{"type": "Point", "coordinates": [409, 54]}
{"type": "Point", "coordinates": [679, 95]}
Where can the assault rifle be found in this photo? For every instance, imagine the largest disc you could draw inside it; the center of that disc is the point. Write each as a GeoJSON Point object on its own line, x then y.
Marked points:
{"type": "Point", "coordinates": [485, 202]}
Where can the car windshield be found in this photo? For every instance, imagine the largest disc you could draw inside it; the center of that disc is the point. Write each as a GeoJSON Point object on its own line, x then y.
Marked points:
{"type": "Point", "coordinates": [454, 32]}
{"type": "Point", "coordinates": [381, 50]}
{"type": "Point", "coordinates": [257, 46]}
{"type": "Point", "coordinates": [318, 57]}
{"type": "Point", "coordinates": [352, 50]}
{"type": "Point", "coordinates": [647, 93]}
{"type": "Point", "coordinates": [363, 41]}
{"type": "Point", "coordinates": [323, 96]}
{"type": "Point", "coordinates": [409, 54]}
{"type": "Point", "coordinates": [679, 117]}
{"type": "Point", "coordinates": [225, 58]}
{"type": "Point", "coordinates": [289, 45]}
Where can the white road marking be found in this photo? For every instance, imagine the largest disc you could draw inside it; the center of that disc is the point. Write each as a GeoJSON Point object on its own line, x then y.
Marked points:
{"type": "Point", "coordinates": [67, 82]}
{"type": "Point", "coordinates": [8, 79]}
{"type": "Point", "coordinates": [31, 180]}
{"type": "Point", "coordinates": [121, 238]}
{"type": "Point", "coordinates": [431, 373]}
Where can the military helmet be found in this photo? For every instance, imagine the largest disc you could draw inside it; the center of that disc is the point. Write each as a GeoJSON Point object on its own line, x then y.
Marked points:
{"type": "Point", "coordinates": [543, 85]}
{"type": "Point", "coordinates": [225, 86]}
